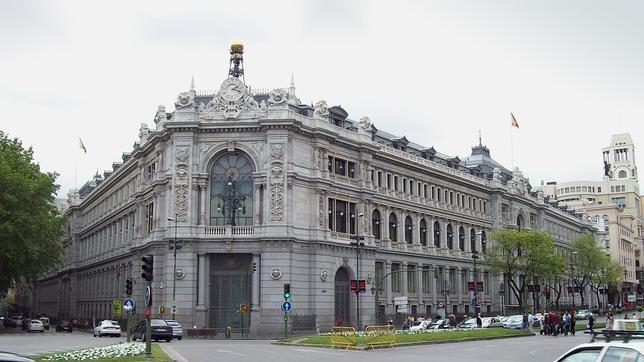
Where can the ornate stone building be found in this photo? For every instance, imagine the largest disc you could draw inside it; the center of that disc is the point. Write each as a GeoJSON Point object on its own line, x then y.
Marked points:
{"type": "Point", "coordinates": [262, 190]}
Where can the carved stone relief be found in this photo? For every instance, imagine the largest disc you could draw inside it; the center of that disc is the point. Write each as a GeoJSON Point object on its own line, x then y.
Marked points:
{"type": "Point", "coordinates": [277, 182]}
{"type": "Point", "coordinates": [181, 181]}
{"type": "Point", "coordinates": [321, 216]}
{"type": "Point", "coordinates": [321, 109]}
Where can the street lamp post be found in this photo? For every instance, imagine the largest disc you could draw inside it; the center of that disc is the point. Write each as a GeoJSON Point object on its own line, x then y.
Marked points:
{"type": "Point", "coordinates": [475, 301]}
{"type": "Point", "coordinates": [358, 243]}
{"type": "Point", "coordinates": [233, 202]}
{"type": "Point", "coordinates": [174, 246]}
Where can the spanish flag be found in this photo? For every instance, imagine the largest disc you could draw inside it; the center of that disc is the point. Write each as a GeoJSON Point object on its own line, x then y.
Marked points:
{"type": "Point", "coordinates": [82, 146]}
{"type": "Point", "coordinates": [514, 121]}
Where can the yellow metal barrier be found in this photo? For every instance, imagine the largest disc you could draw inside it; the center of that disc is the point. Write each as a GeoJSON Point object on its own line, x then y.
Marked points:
{"type": "Point", "coordinates": [379, 335]}
{"type": "Point", "coordinates": [343, 336]}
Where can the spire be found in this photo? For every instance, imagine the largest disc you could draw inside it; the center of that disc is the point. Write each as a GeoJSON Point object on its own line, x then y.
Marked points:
{"type": "Point", "coordinates": [192, 83]}
{"type": "Point", "coordinates": [480, 142]}
{"type": "Point", "coordinates": [292, 98]}
{"type": "Point", "coordinates": [293, 80]}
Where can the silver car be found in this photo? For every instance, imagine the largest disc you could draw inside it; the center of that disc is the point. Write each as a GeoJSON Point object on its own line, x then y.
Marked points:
{"type": "Point", "coordinates": [177, 330]}
{"type": "Point", "coordinates": [35, 325]}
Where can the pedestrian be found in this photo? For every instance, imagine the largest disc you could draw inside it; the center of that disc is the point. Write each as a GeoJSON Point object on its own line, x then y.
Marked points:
{"type": "Point", "coordinates": [524, 325]}
{"type": "Point", "coordinates": [635, 317]}
{"type": "Point", "coordinates": [546, 323]}
{"type": "Point", "coordinates": [573, 321]}
{"type": "Point", "coordinates": [591, 321]}
{"type": "Point", "coordinates": [566, 323]}
{"type": "Point", "coordinates": [609, 321]}
{"type": "Point", "coordinates": [338, 321]}
{"type": "Point", "coordinates": [554, 323]}
{"type": "Point", "coordinates": [542, 328]}
{"type": "Point", "coordinates": [479, 321]}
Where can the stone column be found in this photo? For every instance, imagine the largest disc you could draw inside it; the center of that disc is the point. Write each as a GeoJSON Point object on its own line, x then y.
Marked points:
{"type": "Point", "coordinates": [419, 283]}
{"type": "Point", "coordinates": [432, 275]}
{"type": "Point", "coordinates": [202, 204]}
{"type": "Point", "coordinates": [201, 311]}
{"type": "Point", "coordinates": [459, 282]}
{"type": "Point", "coordinates": [403, 284]}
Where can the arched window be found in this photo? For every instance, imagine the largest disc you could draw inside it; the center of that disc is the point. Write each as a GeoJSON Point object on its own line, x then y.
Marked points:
{"type": "Point", "coordinates": [437, 234]}
{"type": "Point", "coordinates": [520, 221]}
{"type": "Point", "coordinates": [483, 241]}
{"type": "Point", "coordinates": [393, 221]}
{"type": "Point", "coordinates": [461, 238]}
{"type": "Point", "coordinates": [423, 232]}
{"type": "Point", "coordinates": [622, 174]}
{"type": "Point", "coordinates": [450, 237]}
{"type": "Point", "coordinates": [375, 224]}
{"type": "Point", "coordinates": [472, 240]}
{"type": "Point", "coordinates": [231, 190]}
{"type": "Point", "coordinates": [408, 230]}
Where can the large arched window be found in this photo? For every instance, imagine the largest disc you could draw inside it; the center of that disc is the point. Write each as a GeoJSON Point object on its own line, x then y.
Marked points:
{"type": "Point", "coordinates": [461, 238]}
{"type": "Point", "coordinates": [375, 224]}
{"type": "Point", "coordinates": [393, 221]}
{"type": "Point", "coordinates": [472, 240]}
{"type": "Point", "coordinates": [408, 230]}
{"type": "Point", "coordinates": [231, 190]}
{"type": "Point", "coordinates": [450, 237]}
{"type": "Point", "coordinates": [437, 234]}
{"type": "Point", "coordinates": [622, 174]}
{"type": "Point", "coordinates": [423, 232]}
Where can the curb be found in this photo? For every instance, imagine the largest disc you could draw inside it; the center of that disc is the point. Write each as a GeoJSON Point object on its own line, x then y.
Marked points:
{"type": "Point", "coordinates": [409, 344]}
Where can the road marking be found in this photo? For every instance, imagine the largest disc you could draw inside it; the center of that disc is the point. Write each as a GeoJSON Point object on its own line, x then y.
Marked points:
{"type": "Point", "coordinates": [173, 353]}
{"type": "Point", "coordinates": [231, 352]}
{"type": "Point", "coordinates": [531, 352]}
{"type": "Point", "coordinates": [470, 349]}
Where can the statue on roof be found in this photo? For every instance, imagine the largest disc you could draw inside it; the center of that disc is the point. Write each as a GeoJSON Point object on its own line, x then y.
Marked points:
{"type": "Point", "coordinates": [365, 123]}
{"type": "Point", "coordinates": [321, 109]}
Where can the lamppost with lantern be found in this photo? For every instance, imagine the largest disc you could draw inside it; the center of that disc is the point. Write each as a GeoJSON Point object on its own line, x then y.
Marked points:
{"type": "Point", "coordinates": [233, 202]}
{"type": "Point", "coordinates": [175, 245]}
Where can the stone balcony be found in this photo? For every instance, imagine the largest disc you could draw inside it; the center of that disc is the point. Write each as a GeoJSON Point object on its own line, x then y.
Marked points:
{"type": "Point", "coordinates": [228, 231]}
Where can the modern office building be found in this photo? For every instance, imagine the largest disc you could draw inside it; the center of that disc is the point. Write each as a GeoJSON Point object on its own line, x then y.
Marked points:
{"type": "Point", "coordinates": [260, 189]}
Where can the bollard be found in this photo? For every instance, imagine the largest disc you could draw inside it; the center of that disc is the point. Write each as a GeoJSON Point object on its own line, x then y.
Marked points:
{"type": "Point", "coordinates": [228, 331]}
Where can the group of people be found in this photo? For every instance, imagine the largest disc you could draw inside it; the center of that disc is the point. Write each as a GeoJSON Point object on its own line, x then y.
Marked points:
{"type": "Point", "coordinates": [555, 322]}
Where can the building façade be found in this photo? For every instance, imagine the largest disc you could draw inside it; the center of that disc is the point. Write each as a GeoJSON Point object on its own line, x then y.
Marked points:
{"type": "Point", "coordinates": [261, 190]}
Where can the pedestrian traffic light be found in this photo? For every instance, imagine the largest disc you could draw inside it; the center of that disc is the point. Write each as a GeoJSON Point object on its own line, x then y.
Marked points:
{"type": "Point", "coordinates": [147, 267]}
{"type": "Point", "coordinates": [128, 286]}
{"type": "Point", "coordinates": [287, 291]}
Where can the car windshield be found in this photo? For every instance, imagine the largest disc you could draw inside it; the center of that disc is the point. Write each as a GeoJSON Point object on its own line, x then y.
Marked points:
{"type": "Point", "coordinates": [158, 322]}
{"type": "Point", "coordinates": [111, 323]}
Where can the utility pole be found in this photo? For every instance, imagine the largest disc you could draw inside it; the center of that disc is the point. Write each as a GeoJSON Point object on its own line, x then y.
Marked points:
{"type": "Point", "coordinates": [358, 243]}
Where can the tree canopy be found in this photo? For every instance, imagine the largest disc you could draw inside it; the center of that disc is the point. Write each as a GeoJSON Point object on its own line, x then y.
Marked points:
{"type": "Point", "coordinates": [30, 224]}
{"type": "Point", "coordinates": [589, 265]}
{"type": "Point", "coordinates": [523, 256]}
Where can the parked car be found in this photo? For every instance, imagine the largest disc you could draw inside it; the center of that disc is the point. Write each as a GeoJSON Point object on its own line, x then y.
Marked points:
{"type": "Point", "coordinates": [160, 330]}
{"type": "Point", "coordinates": [582, 314]}
{"type": "Point", "coordinates": [177, 330]}
{"type": "Point", "coordinates": [514, 322]}
{"type": "Point", "coordinates": [107, 328]}
{"type": "Point", "coordinates": [34, 325]}
{"type": "Point", "coordinates": [45, 322]}
{"type": "Point", "coordinates": [9, 322]}
{"type": "Point", "coordinates": [615, 348]}
{"type": "Point", "coordinates": [440, 324]}
{"type": "Point", "coordinates": [467, 323]}
{"type": "Point", "coordinates": [64, 326]}
{"type": "Point", "coordinates": [491, 322]}
{"type": "Point", "coordinates": [18, 319]}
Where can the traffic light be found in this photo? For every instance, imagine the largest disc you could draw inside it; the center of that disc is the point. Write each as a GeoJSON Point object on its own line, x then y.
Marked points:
{"type": "Point", "coordinates": [287, 291]}
{"type": "Point", "coordinates": [128, 286]}
{"type": "Point", "coordinates": [147, 267]}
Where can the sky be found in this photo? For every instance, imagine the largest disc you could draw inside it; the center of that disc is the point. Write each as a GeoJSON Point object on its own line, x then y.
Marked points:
{"type": "Point", "coordinates": [434, 71]}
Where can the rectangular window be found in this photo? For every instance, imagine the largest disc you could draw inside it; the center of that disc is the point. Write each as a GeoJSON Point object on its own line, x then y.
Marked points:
{"type": "Point", "coordinates": [341, 216]}
{"type": "Point", "coordinates": [396, 183]}
{"type": "Point", "coordinates": [340, 167]}
{"type": "Point", "coordinates": [395, 277]}
{"type": "Point", "coordinates": [404, 185]}
{"type": "Point", "coordinates": [612, 189]}
{"type": "Point", "coordinates": [331, 213]}
{"type": "Point", "coordinates": [411, 278]}
{"type": "Point", "coordinates": [330, 165]}
{"type": "Point", "coordinates": [388, 182]}
{"type": "Point", "coordinates": [426, 280]}
{"type": "Point", "coordinates": [425, 191]}
{"type": "Point", "coordinates": [352, 169]}
{"type": "Point", "coordinates": [452, 280]}
{"type": "Point", "coordinates": [149, 218]}
{"type": "Point", "coordinates": [619, 201]}
{"type": "Point", "coordinates": [379, 178]}
{"type": "Point", "coordinates": [380, 272]}
{"type": "Point", "coordinates": [353, 218]}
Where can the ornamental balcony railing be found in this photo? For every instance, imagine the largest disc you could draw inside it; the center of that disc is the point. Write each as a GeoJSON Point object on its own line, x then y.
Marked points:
{"type": "Point", "coordinates": [228, 231]}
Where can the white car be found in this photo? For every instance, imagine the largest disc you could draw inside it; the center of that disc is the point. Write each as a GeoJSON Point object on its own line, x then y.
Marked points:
{"type": "Point", "coordinates": [616, 349]}
{"type": "Point", "coordinates": [35, 325]}
{"type": "Point", "coordinates": [107, 328]}
{"type": "Point", "coordinates": [420, 325]}
{"type": "Point", "coordinates": [177, 330]}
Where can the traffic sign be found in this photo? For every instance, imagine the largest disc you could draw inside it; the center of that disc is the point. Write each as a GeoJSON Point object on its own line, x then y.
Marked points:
{"type": "Point", "coordinates": [401, 300]}
{"type": "Point", "coordinates": [148, 295]}
{"type": "Point", "coordinates": [116, 308]}
{"type": "Point", "coordinates": [174, 307]}
{"type": "Point", "coordinates": [287, 306]}
{"type": "Point", "coordinates": [476, 303]}
{"type": "Point", "coordinates": [129, 304]}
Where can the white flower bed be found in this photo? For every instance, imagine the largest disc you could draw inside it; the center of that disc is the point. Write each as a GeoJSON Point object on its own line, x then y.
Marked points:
{"type": "Point", "coordinates": [398, 332]}
{"type": "Point", "coordinates": [115, 350]}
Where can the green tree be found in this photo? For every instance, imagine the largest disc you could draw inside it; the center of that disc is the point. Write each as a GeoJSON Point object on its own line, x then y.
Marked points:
{"type": "Point", "coordinates": [30, 224]}
{"type": "Point", "coordinates": [587, 262]}
{"type": "Point", "coordinates": [607, 276]}
{"type": "Point", "coordinates": [523, 257]}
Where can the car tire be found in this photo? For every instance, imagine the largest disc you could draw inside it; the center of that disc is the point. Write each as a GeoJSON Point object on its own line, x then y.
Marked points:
{"type": "Point", "coordinates": [179, 338]}
{"type": "Point", "coordinates": [156, 340]}
{"type": "Point", "coordinates": [118, 336]}
{"type": "Point", "coordinates": [168, 339]}
{"type": "Point", "coordinates": [42, 331]}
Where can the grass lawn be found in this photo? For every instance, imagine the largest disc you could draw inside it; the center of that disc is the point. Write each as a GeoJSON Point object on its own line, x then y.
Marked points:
{"type": "Point", "coordinates": [583, 325]}
{"type": "Point", "coordinates": [424, 337]}
{"type": "Point", "coordinates": [157, 356]}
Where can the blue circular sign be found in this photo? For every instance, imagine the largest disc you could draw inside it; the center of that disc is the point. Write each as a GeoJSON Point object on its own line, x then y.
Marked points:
{"type": "Point", "coordinates": [129, 304]}
{"type": "Point", "coordinates": [287, 306]}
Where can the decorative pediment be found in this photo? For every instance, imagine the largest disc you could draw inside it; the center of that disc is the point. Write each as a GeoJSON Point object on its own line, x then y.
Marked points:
{"type": "Point", "coordinates": [235, 100]}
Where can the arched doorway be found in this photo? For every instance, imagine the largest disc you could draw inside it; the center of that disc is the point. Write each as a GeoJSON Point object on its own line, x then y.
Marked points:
{"type": "Point", "coordinates": [342, 296]}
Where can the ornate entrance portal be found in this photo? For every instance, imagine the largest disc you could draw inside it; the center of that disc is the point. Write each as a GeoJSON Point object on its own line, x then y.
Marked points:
{"type": "Point", "coordinates": [342, 296]}
{"type": "Point", "coordinates": [230, 286]}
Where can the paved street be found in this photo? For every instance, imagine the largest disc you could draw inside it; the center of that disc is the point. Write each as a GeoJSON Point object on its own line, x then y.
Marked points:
{"type": "Point", "coordinates": [533, 349]}
{"type": "Point", "coordinates": [17, 341]}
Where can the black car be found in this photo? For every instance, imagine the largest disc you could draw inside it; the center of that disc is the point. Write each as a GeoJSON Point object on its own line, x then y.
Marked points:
{"type": "Point", "coordinates": [64, 326]}
{"type": "Point", "coordinates": [160, 330]}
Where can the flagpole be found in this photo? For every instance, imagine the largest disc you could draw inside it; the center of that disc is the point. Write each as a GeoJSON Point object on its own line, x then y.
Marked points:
{"type": "Point", "coordinates": [512, 146]}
